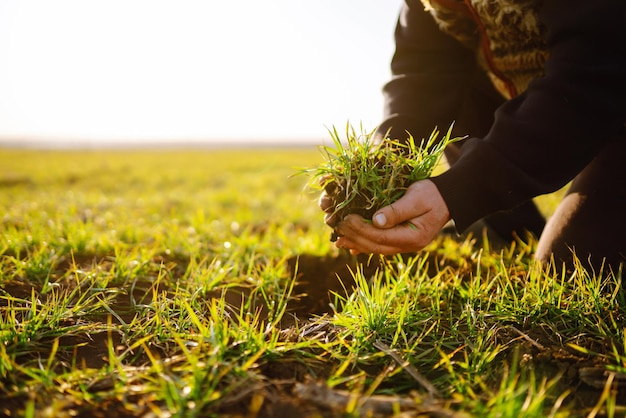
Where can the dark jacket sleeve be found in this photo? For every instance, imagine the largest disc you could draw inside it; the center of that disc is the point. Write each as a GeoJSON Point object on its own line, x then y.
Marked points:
{"type": "Point", "coordinates": [430, 72]}
{"type": "Point", "coordinates": [541, 139]}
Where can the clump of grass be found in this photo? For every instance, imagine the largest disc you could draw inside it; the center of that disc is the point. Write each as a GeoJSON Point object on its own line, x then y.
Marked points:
{"type": "Point", "coordinates": [365, 172]}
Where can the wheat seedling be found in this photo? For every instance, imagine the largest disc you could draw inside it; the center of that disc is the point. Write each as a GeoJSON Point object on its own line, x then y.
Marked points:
{"type": "Point", "coordinates": [365, 173]}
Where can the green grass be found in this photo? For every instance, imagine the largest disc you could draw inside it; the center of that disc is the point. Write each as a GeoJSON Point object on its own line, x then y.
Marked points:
{"type": "Point", "coordinates": [361, 172]}
{"type": "Point", "coordinates": [165, 284]}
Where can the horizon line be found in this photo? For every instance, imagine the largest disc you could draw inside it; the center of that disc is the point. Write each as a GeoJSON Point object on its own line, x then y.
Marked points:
{"type": "Point", "coordinates": [137, 143]}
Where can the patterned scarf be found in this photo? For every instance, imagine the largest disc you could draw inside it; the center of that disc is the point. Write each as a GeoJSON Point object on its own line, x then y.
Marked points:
{"type": "Point", "coordinates": [506, 34]}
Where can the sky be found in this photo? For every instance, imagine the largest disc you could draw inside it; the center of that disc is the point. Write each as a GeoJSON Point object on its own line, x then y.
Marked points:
{"type": "Point", "coordinates": [206, 70]}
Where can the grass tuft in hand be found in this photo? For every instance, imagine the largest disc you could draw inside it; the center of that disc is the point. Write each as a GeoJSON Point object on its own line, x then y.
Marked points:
{"type": "Point", "coordinates": [365, 173]}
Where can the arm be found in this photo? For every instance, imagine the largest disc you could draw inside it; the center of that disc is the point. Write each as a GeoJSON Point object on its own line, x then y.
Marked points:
{"type": "Point", "coordinates": [544, 137]}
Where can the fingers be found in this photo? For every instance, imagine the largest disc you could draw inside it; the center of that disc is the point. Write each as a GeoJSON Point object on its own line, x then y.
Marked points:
{"type": "Point", "coordinates": [331, 220]}
{"type": "Point", "coordinates": [360, 236]}
{"type": "Point", "coordinates": [408, 225]}
{"type": "Point", "coordinates": [327, 204]}
{"type": "Point", "coordinates": [326, 201]}
{"type": "Point", "coordinates": [417, 200]}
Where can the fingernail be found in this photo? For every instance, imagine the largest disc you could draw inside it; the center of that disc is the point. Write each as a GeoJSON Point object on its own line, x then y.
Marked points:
{"type": "Point", "coordinates": [380, 219]}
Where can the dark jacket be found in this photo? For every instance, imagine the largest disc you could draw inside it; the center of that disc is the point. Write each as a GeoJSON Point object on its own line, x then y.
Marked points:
{"type": "Point", "coordinates": [545, 132]}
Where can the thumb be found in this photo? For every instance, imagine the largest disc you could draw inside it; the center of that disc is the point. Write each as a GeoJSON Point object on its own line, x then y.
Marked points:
{"type": "Point", "coordinates": [394, 214]}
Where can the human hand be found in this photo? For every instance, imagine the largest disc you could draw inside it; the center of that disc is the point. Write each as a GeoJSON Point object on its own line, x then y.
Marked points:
{"type": "Point", "coordinates": [327, 203]}
{"type": "Point", "coordinates": [407, 225]}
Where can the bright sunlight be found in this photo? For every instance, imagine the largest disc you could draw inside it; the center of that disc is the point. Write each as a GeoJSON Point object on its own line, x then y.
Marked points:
{"type": "Point", "coordinates": [192, 70]}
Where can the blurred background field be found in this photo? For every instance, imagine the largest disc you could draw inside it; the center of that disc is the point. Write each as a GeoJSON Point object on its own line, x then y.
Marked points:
{"type": "Point", "coordinates": [141, 196]}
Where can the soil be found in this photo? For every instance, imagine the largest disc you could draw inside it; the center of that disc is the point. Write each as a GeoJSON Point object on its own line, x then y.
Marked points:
{"type": "Point", "coordinates": [318, 277]}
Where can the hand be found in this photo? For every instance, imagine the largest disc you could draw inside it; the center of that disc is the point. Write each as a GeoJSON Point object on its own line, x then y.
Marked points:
{"type": "Point", "coordinates": [327, 203]}
{"type": "Point", "coordinates": [407, 225]}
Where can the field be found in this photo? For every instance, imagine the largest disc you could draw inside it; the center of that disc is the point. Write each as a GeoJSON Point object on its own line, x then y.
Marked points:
{"type": "Point", "coordinates": [203, 283]}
